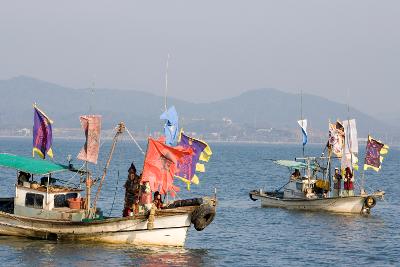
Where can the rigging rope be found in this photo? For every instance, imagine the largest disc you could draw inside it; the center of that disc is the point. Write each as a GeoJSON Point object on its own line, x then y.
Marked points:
{"type": "Point", "coordinates": [115, 194]}
{"type": "Point", "coordinates": [134, 140]}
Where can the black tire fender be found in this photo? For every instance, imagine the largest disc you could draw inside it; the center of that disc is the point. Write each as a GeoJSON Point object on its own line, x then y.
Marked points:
{"type": "Point", "coordinates": [370, 202]}
{"type": "Point", "coordinates": [202, 216]}
{"type": "Point", "coordinates": [251, 197]}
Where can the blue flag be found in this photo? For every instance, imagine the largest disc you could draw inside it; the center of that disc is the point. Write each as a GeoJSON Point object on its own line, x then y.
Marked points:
{"type": "Point", "coordinates": [171, 125]}
{"type": "Point", "coordinates": [303, 125]}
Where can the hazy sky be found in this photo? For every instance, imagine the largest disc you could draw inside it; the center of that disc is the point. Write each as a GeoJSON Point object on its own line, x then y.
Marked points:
{"type": "Point", "coordinates": [218, 49]}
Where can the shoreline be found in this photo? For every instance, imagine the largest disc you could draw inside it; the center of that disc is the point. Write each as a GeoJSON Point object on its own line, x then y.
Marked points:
{"type": "Point", "coordinates": [210, 141]}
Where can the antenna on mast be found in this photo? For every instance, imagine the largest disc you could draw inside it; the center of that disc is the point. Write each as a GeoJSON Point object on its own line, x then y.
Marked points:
{"type": "Point", "coordinates": [91, 96]}
{"type": "Point", "coordinates": [301, 104]}
{"type": "Point", "coordinates": [166, 84]}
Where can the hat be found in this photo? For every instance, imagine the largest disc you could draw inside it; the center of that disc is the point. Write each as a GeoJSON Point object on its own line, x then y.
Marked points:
{"type": "Point", "coordinates": [336, 168]}
{"type": "Point", "coordinates": [132, 167]}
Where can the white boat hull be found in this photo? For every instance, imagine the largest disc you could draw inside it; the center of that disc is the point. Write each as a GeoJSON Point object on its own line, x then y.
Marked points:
{"type": "Point", "coordinates": [168, 230]}
{"type": "Point", "coordinates": [350, 204]}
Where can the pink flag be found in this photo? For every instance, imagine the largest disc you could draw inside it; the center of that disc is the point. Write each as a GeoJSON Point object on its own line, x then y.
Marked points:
{"type": "Point", "coordinates": [91, 124]}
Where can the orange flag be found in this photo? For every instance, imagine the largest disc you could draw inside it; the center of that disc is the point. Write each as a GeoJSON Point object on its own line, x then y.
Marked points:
{"type": "Point", "coordinates": [91, 124]}
{"type": "Point", "coordinates": [160, 166]}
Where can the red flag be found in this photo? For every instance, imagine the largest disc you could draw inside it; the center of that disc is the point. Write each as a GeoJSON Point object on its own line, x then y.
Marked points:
{"type": "Point", "coordinates": [160, 166]}
{"type": "Point", "coordinates": [91, 124]}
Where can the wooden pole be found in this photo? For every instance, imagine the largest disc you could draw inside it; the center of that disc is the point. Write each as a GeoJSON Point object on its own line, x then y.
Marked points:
{"type": "Point", "coordinates": [88, 187]}
{"type": "Point", "coordinates": [120, 130]}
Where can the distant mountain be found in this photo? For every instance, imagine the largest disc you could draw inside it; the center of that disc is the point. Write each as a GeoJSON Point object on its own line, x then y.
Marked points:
{"type": "Point", "coordinates": [257, 109]}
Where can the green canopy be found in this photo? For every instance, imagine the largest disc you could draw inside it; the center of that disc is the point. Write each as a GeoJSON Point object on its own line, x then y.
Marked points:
{"type": "Point", "coordinates": [291, 164]}
{"type": "Point", "coordinates": [29, 165]}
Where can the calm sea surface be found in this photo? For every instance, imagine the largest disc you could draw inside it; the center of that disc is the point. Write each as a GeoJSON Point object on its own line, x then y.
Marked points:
{"type": "Point", "coordinates": [243, 233]}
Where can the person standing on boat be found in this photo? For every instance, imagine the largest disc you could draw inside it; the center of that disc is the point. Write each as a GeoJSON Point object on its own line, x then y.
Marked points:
{"type": "Point", "coordinates": [157, 201]}
{"type": "Point", "coordinates": [348, 182]}
{"type": "Point", "coordinates": [295, 175]}
{"type": "Point", "coordinates": [337, 183]}
{"type": "Point", "coordinates": [132, 192]}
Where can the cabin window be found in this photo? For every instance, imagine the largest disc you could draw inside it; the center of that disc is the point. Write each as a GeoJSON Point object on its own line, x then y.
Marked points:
{"type": "Point", "coordinates": [34, 200]}
{"type": "Point", "coordinates": [299, 186]}
{"type": "Point", "coordinates": [61, 199]}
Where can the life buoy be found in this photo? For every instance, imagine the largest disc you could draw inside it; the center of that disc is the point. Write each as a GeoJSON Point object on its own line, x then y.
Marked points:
{"type": "Point", "coordinates": [251, 197]}
{"type": "Point", "coordinates": [202, 216]}
{"type": "Point", "coordinates": [370, 202]}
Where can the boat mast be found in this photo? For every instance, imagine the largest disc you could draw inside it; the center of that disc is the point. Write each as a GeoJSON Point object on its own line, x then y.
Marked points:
{"type": "Point", "coordinates": [301, 113]}
{"type": "Point", "coordinates": [88, 181]}
{"type": "Point", "coordinates": [120, 130]}
{"type": "Point", "coordinates": [349, 143]}
{"type": "Point", "coordinates": [166, 84]}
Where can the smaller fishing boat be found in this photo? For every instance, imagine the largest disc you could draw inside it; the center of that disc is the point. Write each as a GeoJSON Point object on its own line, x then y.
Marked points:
{"type": "Point", "coordinates": [312, 186]}
{"type": "Point", "coordinates": [309, 193]}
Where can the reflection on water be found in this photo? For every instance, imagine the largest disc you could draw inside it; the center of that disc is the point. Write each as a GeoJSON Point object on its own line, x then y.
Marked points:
{"type": "Point", "coordinates": [51, 253]}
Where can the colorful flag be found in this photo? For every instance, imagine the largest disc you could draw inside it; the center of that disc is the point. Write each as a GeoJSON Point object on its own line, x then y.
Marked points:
{"type": "Point", "coordinates": [350, 152]}
{"type": "Point", "coordinates": [91, 125]}
{"type": "Point", "coordinates": [373, 154]}
{"type": "Point", "coordinates": [336, 138]}
{"type": "Point", "coordinates": [160, 166]}
{"type": "Point", "coordinates": [190, 163]}
{"type": "Point", "coordinates": [303, 125]}
{"type": "Point", "coordinates": [171, 125]}
{"type": "Point", "coordinates": [42, 133]}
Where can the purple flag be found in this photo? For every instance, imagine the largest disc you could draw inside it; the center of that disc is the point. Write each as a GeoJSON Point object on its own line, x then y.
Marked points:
{"type": "Point", "coordinates": [42, 134]}
{"type": "Point", "coordinates": [187, 167]}
{"type": "Point", "coordinates": [374, 154]}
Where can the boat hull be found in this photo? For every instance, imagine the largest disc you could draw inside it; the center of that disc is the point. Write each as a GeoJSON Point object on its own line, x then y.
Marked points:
{"type": "Point", "coordinates": [168, 229]}
{"type": "Point", "coordinates": [350, 204]}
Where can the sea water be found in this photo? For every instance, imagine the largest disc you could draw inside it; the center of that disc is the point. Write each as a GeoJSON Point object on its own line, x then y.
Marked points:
{"type": "Point", "coordinates": [243, 233]}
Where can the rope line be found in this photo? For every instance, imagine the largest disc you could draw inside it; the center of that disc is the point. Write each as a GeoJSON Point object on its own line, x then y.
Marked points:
{"type": "Point", "coordinates": [134, 140]}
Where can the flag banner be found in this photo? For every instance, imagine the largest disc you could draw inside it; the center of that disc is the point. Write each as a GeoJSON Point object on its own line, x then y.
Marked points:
{"type": "Point", "coordinates": [336, 138]}
{"type": "Point", "coordinates": [190, 164]}
{"type": "Point", "coordinates": [350, 151]}
{"type": "Point", "coordinates": [91, 124]}
{"type": "Point", "coordinates": [303, 125]}
{"type": "Point", "coordinates": [42, 134]}
{"type": "Point", "coordinates": [160, 166]}
{"type": "Point", "coordinates": [373, 154]}
{"type": "Point", "coordinates": [171, 125]}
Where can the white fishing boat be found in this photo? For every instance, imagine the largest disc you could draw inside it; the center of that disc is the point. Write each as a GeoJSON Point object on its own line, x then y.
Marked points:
{"type": "Point", "coordinates": [44, 208]}
{"type": "Point", "coordinates": [312, 188]}
{"type": "Point", "coordinates": [52, 211]}
{"type": "Point", "coordinates": [312, 194]}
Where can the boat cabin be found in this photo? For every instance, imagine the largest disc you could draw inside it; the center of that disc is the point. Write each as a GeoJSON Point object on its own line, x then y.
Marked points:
{"type": "Point", "coordinates": [37, 192]}
{"type": "Point", "coordinates": [306, 184]}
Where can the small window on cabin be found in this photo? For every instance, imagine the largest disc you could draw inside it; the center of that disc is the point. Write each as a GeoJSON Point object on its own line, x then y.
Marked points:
{"type": "Point", "coordinates": [61, 200]}
{"type": "Point", "coordinates": [34, 200]}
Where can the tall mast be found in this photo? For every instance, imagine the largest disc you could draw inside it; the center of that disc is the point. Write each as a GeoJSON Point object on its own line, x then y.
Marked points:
{"type": "Point", "coordinates": [166, 84]}
{"type": "Point", "coordinates": [301, 113]}
{"type": "Point", "coordinates": [91, 97]}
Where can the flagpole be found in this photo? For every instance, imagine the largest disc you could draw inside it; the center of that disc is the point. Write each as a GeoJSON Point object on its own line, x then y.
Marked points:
{"type": "Point", "coordinates": [362, 190]}
{"type": "Point", "coordinates": [301, 115]}
{"type": "Point", "coordinates": [88, 187]}
{"type": "Point", "coordinates": [166, 83]}
{"type": "Point", "coordinates": [349, 143]}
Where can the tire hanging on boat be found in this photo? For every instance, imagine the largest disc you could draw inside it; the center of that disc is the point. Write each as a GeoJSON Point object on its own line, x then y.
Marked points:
{"type": "Point", "coordinates": [251, 197]}
{"type": "Point", "coordinates": [370, 202]}
{"type": "Point", "coordinates": [202, 216]}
